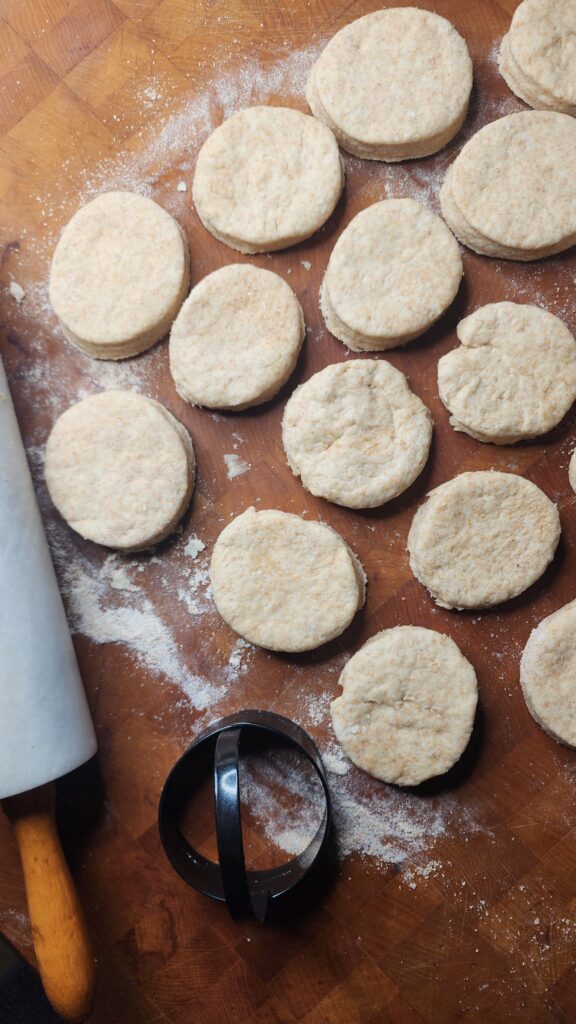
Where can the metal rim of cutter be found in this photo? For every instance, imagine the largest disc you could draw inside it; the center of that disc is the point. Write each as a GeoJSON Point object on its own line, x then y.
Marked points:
{"type": "Point", "coordinates": [246, 893]}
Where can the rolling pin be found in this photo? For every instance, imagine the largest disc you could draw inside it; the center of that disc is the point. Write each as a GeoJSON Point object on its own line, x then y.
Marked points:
{"type": "Point", "coordinates": [45, 726]}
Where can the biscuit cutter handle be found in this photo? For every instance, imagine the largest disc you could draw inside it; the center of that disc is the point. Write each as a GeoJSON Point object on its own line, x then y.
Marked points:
{"type": "Point", "coordinates": [61, 942]}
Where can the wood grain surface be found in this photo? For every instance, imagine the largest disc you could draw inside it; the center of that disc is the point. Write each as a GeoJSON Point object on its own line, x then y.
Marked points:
{"type": "Point", "coordinates": [475, 920]}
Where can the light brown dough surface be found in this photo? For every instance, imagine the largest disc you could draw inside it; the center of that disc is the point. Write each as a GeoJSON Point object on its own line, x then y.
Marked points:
{"type": "Point", "coordinates": [119, 275]}
{"type": "Point", "coordinates": [356, 434]}
{"type": "Point", "coordinates": [236, 339]}
{"type": "Point", "coordinates": [267, 178]}
{"type": "Point", "coordinates": [120, 469]}
{"type": "Point", "coordinates": [393, 85]}
{"type": "Point", "coordinates": [513, 376]}
{"type": "Point", "coordinates": [392, 273]}
{"type": "Point", "coordinates": [482, 538]}
{"type": "Point", "coordinates": [283, 582]}
{"type": "Point", "coordinates": [407, 705]}
{"type": "Point", "coordinates": [548, 674]}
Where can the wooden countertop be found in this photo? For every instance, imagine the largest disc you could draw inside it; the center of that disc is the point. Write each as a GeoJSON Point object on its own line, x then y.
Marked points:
{"type": "Point", "coordinates": [467, 913]}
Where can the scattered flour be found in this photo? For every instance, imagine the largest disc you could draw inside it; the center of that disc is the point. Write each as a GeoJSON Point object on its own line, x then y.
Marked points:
{"type": "Point", "coordinates": [16, 291]}
{"type": "Point", "coordinates": [235, 465]}
{"type": "Point", "coordinates": [182, 186]}
{"type": "Point", "coordinates": [194, 546]}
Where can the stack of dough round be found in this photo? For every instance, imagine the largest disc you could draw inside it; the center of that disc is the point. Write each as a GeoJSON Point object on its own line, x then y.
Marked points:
{"type": "Point", "coordinates": [407, 706]}
{"type": "Point", "coordinates": [284, 583]}
{"type": "Point", "coordinates": [392, 273]}
{"type": "Point", "coordinates": [482, 538]}
{"type": "Point", "coordinates": [236, 339]}
{"type": "Point", "coordinates": [267, 178]}
{"type": "Point", "coordinates": [119, 275]}
{"type": "Point", "coordinates": [356, 434]}
{"type": "Point", "coordinates": [120, 469]}
{"type": "Point", "coordinates": [514, 375]}
{"type": "Point", "coordinates": [393, 85]}
{"type": "Point", "coordinates": [538, 54]}
{"type": "Point", "coordinates": [511, 192]}
{"type": "Point", "coordinates": [548, 674]}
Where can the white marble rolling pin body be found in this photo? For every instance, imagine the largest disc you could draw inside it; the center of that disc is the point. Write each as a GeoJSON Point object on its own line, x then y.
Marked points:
{"type": "Point", "coordinates": [45, 725]}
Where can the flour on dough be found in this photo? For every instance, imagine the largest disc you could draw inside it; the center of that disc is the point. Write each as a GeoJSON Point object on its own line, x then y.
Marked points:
{"type": "Point", "coordinates": [407, 705]}
{"type": "Point", "coordinates": [120, 469]}
{"type": "Point", "coordinates": [285, 583]}
{"type": "Point", "coordinates": [482, 538]}
{"type": "Point", "coordinates": [356, 434]}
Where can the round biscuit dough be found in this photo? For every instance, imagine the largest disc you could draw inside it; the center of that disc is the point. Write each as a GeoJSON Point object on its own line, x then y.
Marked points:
{"type": "Point", "coordinates": [393, 272]}
{"type": "Point", "coordinates": [236, 339]}
{"type": "Point", "coordinates": [393, 85]}
{"type": "Point", "coordinates": [514, 183]}
{"type": "Point", "coordinates": [285, 583]}
{"type": "Point", "coordinates": [482, 538]}
{"type": "Point", "coordinates": [548, 674]}
{"type": "Point", "coordinates": [120, 469]}
{"type": "Point", "coordinates": [514, 375]}
{"type": "Point", "coordinates": [407, 706]}
{"type": "Point", "coordinates": [267, 178]}
{"type": "Point", "coordinates": [119, 275]}
{"type": "Point", "coordinates": [356, 434]}
{"type": "Point", "coordinates": [542, 41]}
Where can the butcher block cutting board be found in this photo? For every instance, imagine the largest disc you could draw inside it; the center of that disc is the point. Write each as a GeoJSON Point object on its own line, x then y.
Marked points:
{"type": "Point", "coordinates": [453, 902]}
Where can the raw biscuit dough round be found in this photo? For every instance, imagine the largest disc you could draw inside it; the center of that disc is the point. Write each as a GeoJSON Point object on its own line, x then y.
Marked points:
{"type": "Point", "coordinates": [120, 469]}
{"type": "Point", "coordinates": [514, 375]}
{"type": "Point", "coordinates": [119, 275]}
{"type": "Point", "coordinates": [393, 85]}
{"type": "Point", "coordinates": [267, 178]}
{"type": "Point", "coordinates": [539, 54]}
{"type": "Point", "coordinates": [393, 272]}
{"type": "Point", "coordinates": [236, 339]}
{"type": "Point", "coordinates": [482, 538]}
{"type": "Point", "coordinates": [407, 705]}
{"type": "Point", "coordinates": [285, 583]}
{"type": "Point", "coordinates": [511, 192]}
{"type": "Point", "coordinates": [548, 674]}
{"type": "Point", "coordinates": [356, 434]}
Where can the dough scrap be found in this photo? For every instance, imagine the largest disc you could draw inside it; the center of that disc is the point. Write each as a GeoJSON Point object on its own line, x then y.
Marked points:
{"type": "Point", "coordinates": [393, 272]}
{"type": "Point", "coordinates": [356, 434]}
{"type": "Point", "coordinates": [120, 469]}
{"type": "Point", "coordinates": [539, 54]}
{"type": "Point", "coordinates": [548, 674]}
{"type": "Point", "coordinates": [393, 85]}
{"type": "Point", "coordinates": [514, 375]}
{"type": "Point", "coordinates": [119, 275]}
{"type": "Point", "coordinates": [482, 538]}
{"type": "Point", "coordinates": [236, 339]}
{"type": "Point", "coordinates": [407, 706]}
{"type": "Point", "coordinates": [285, 583]}
{"type": "Point", "coordinates": [511, 191]}
{"type": "Point", "coordinates": [267, 178]}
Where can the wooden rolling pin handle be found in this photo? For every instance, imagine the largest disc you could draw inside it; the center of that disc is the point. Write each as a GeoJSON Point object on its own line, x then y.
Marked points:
{"type": "Point", "coordinates": [63, 953]}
